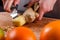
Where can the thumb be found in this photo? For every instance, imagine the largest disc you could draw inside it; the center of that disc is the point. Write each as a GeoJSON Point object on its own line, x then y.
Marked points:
{"type": "Point", "coordinates": [31, 3]}
{"type": "Point", "coordinates": [16, 2]}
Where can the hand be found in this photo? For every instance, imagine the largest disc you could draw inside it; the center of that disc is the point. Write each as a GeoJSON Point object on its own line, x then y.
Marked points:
{"type": "Point", "coordinates": [8, 3]}
{"type": "Point", "coordinates": [45, 6]}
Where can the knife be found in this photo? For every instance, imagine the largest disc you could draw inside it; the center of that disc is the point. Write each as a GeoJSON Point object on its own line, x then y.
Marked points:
{"type": "Point", "coordinates": [19, 9]}
{"type": "Point", "coordinates": [14, 12]}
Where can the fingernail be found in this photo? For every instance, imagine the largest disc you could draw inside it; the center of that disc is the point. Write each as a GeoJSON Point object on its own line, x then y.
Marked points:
{"type": "Point", "coordinates": [40, 18]}
{"type": "Point", "coordinates": [41, 15]}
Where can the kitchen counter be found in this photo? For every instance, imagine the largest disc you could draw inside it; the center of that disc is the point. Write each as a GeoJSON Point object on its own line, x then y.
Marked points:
{"type": "Point", "coordinates": [36, 26]}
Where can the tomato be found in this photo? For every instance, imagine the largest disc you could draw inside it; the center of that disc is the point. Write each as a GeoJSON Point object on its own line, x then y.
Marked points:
{"type": "Point", "coordinates": [21, 33]}
{"type": "Point", "coordinates": [51, 31]}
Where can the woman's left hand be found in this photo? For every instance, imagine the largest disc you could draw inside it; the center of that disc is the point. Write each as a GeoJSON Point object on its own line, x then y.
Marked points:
{"type": "Point", "coordinates": [8, 3]}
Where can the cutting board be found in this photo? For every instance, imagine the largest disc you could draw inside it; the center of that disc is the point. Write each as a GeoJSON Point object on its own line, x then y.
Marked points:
{"type": "Point", "coordinates": [36, 26]}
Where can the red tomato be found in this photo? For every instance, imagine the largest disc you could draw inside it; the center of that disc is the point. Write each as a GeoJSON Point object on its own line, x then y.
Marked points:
{"type": "Point", "coordinates": [20, 33]}
{"type": "Point", "coordinates": [51, 31]}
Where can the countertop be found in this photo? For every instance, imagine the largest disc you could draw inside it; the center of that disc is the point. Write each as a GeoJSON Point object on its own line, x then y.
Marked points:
{"type": "Point", "coordinates": [36, 26]}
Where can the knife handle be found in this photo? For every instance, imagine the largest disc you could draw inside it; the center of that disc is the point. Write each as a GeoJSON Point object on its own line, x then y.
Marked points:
{"type": "Point", "coordinates": [14, 7]}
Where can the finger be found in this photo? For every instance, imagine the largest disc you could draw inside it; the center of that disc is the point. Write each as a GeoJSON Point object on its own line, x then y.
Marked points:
{"type": "Point", "coordinates": [16, 2]}
{"type": "Point", "coordinates": [31, 3]}
{"type": "Point", "coordinates": [41, 13]}
{"type": "Point", "coordinates": [8, 5]}
{"type": "Point", "coordinates": [3, 1]}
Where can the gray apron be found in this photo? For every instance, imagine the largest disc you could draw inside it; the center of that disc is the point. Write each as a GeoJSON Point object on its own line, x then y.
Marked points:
{"type": "Point", "coordinates": [21, 5]}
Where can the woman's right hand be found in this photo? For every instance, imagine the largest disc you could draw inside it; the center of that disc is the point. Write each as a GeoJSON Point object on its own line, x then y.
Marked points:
{"type": "Point", "coordinates": [8, 3]}
{"type": "Point", "coordinates": [45, 6]}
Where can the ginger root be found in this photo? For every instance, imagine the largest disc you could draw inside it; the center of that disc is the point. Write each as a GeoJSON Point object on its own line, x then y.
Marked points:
{"type": "Point", "coordinates": [28, 16]}
{"type": "Point", "coordinates": [19, 21]}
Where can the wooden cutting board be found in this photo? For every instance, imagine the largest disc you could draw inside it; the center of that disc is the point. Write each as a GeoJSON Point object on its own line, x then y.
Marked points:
{"type": "Point", "coordinates": [36, 26]}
